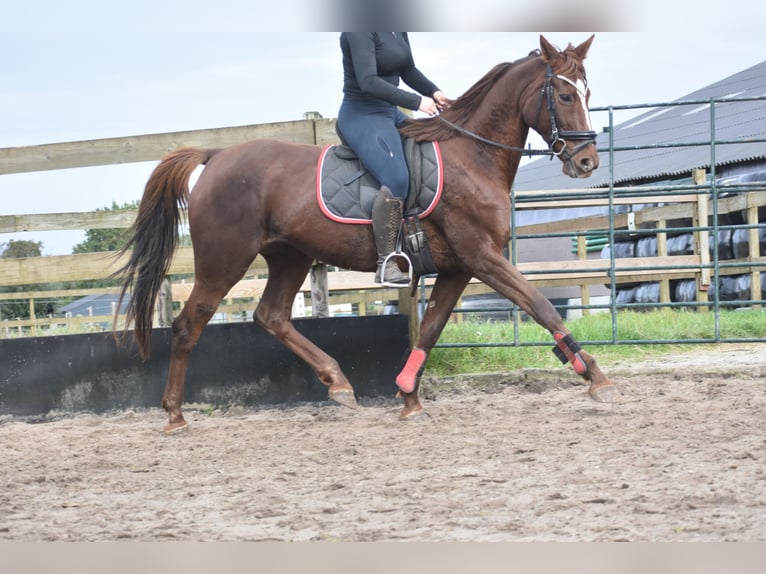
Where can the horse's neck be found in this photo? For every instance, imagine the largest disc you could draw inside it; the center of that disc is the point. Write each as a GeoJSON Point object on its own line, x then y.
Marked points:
{"type": "Point", "coordinates": [504, 100]}
{"type": "Point", "coordinates": [514, 159]}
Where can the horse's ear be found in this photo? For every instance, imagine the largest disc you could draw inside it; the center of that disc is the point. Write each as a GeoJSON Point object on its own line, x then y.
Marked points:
{"type": "Point", "coordinates": [582, 50]}
{"type": "Point", "coordinates": [549, 51]}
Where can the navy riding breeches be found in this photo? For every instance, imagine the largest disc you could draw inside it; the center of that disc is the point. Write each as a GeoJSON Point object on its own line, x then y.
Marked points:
{"type": "Point", "coordinates": [371, 131]}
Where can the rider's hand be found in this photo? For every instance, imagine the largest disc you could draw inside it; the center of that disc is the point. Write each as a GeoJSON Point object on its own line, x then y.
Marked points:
{"type": "Point", "coordinates": [428, 106]}
{"type": "Point", "coordinates": [442, 101]}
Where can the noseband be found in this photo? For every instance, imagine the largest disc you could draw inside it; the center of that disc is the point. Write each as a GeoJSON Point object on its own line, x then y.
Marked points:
{"type": "Point", "coordinates": [557, 136]}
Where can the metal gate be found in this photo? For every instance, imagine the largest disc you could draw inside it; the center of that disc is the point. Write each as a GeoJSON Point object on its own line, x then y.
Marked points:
{"type": "Point", "coordinates": [689, 225]}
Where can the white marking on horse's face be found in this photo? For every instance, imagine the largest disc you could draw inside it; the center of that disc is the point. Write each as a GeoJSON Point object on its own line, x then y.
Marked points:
{"type": "Point", "coordinates": [582, 93]}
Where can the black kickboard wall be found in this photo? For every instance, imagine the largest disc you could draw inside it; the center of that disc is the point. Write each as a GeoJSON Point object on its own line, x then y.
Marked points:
{"type": "Point", "coordinates": [237, 363]}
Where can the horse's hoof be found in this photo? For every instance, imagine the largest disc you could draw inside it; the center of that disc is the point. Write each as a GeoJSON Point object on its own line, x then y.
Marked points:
{"type": "Point", "coordinates": [176, 427]}
{"type": "Point", "coordinates": [605, 393]}
{"type": "Point", "coordinates": [344, 397]}
{"type": "Point", "coordinates": [415, 414]}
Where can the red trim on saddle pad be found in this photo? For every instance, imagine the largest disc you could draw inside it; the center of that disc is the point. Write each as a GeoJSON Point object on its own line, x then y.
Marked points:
{"type": "Point", "coordinates": [320, 199]}
{"type": "Point", "coordinates": [438, 195]}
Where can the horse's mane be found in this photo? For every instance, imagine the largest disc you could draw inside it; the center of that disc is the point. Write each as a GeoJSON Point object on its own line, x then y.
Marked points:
{"type": "Point", "coordinates": [433, 129]}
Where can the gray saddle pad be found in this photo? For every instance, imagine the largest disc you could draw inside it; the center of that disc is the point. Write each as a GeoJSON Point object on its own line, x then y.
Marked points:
{"type": "Point", "coordinates": [346, 190]}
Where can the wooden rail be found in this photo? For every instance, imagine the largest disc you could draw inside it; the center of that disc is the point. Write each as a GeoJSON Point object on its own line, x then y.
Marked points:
{"type": "Point", "coordinates": [110, 151]}
{"type": "Point", "coordinates": [86, 266]}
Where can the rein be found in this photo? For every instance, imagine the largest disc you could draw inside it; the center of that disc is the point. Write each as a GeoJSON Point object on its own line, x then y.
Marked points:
{"type": "Point", "coordinates": [587, 137]}
{"type": "Point", "coordinates": [469, 133]}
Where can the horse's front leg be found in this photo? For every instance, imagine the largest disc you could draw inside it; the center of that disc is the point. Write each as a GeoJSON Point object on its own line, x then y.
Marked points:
{"type": "Point", "coordinates": [445, 293]}
{"type": "Point", "coordinates": [509, 282]}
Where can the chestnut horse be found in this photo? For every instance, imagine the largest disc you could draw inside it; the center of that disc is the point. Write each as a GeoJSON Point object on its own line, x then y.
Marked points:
{"type": "Point", "coordinates": [259, 198]}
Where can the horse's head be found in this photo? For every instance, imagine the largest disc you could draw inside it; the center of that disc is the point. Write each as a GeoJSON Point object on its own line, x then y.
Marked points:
{"type": "Point", "coordinates": [557, 108]}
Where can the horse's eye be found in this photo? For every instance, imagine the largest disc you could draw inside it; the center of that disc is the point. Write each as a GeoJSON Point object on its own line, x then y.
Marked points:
{"type": "Point", "coordinates": [565, 98]}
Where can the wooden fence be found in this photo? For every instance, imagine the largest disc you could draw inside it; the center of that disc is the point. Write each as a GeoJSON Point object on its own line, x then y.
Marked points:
{"type": "Point", "coordinates": [344, 287]}
{"type": "Point", "coordinates": [111, 151]}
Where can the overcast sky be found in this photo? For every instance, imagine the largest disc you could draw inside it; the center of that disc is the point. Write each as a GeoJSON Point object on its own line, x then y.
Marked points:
{"type": "Point", "coordinates": [84, 70]}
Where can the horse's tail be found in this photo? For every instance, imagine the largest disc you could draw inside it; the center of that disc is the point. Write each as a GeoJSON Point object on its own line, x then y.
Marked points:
{"type": "Point", "coordinates": [153, 239]}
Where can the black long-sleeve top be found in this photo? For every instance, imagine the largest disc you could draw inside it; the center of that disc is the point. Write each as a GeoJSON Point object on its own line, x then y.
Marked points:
{"type": "Point", "coordinates": [373, 63]}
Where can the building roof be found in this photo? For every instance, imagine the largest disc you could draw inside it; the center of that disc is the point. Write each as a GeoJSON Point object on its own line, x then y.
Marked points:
{"type": "Point", "coordinates": [687, 120]}
{"type": "Point", "coordinates": [94, 305]}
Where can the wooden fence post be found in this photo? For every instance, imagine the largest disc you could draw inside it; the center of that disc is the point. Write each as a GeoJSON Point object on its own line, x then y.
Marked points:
{"type": "Point", "coordinates": [754, 249]}
{"type": "Point", "coordinates": [409, 306]}
{"type": "Point", "coordinates": [701, 245]}
{"type": "Point", "coordinates": [32, 316]}
{"type": "Point", "coordinates": [662, 251]}
{"type": "Point", "coordinates": [320, 294]}
{"type": "Point", "coordinates": [164, 307]}
{"type": "Point", "coordinates": [582, 255]}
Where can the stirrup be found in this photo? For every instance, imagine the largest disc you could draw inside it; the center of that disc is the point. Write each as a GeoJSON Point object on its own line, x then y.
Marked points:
{"type": "Point", "coordinates": [383, 270]}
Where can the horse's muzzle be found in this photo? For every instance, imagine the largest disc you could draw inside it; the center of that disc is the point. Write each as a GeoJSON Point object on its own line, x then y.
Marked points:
{"type": "Point", "coordinates": [580, 161]}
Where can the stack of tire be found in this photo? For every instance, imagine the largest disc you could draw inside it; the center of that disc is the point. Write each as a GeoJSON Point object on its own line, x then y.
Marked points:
{"type": "Point", "coordinates": [730, 244]}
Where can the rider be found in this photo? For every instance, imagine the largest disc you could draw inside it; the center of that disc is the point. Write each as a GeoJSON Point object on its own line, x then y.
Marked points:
{"type": "Point", "coordinates": [373, 63]}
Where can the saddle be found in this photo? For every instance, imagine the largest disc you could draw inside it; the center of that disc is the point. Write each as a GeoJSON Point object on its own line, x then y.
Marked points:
{"type": "Point", "coordinates": [346, 192]}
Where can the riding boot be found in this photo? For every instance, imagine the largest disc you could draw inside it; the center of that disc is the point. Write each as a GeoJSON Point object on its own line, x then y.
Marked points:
{"type": "Point", "coordinates": [386, 222]}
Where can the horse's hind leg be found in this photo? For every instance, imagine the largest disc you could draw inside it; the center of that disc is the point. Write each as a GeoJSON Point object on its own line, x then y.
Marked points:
{"type": "Point", "coordinates": [287, 270]}
{"type": "Point", "coordinates": [187, 327]}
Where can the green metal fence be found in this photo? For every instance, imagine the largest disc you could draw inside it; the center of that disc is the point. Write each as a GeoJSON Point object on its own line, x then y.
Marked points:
{"type": "Point", "coordinates": [707, 225]}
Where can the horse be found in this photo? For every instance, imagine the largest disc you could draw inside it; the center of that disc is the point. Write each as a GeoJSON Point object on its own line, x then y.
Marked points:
{"type": "Point", "coordinates": [259, 197]}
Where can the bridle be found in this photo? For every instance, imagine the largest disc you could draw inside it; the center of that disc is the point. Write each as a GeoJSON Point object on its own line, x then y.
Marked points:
{"type": "Point", "coordinates": [587, 137]}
